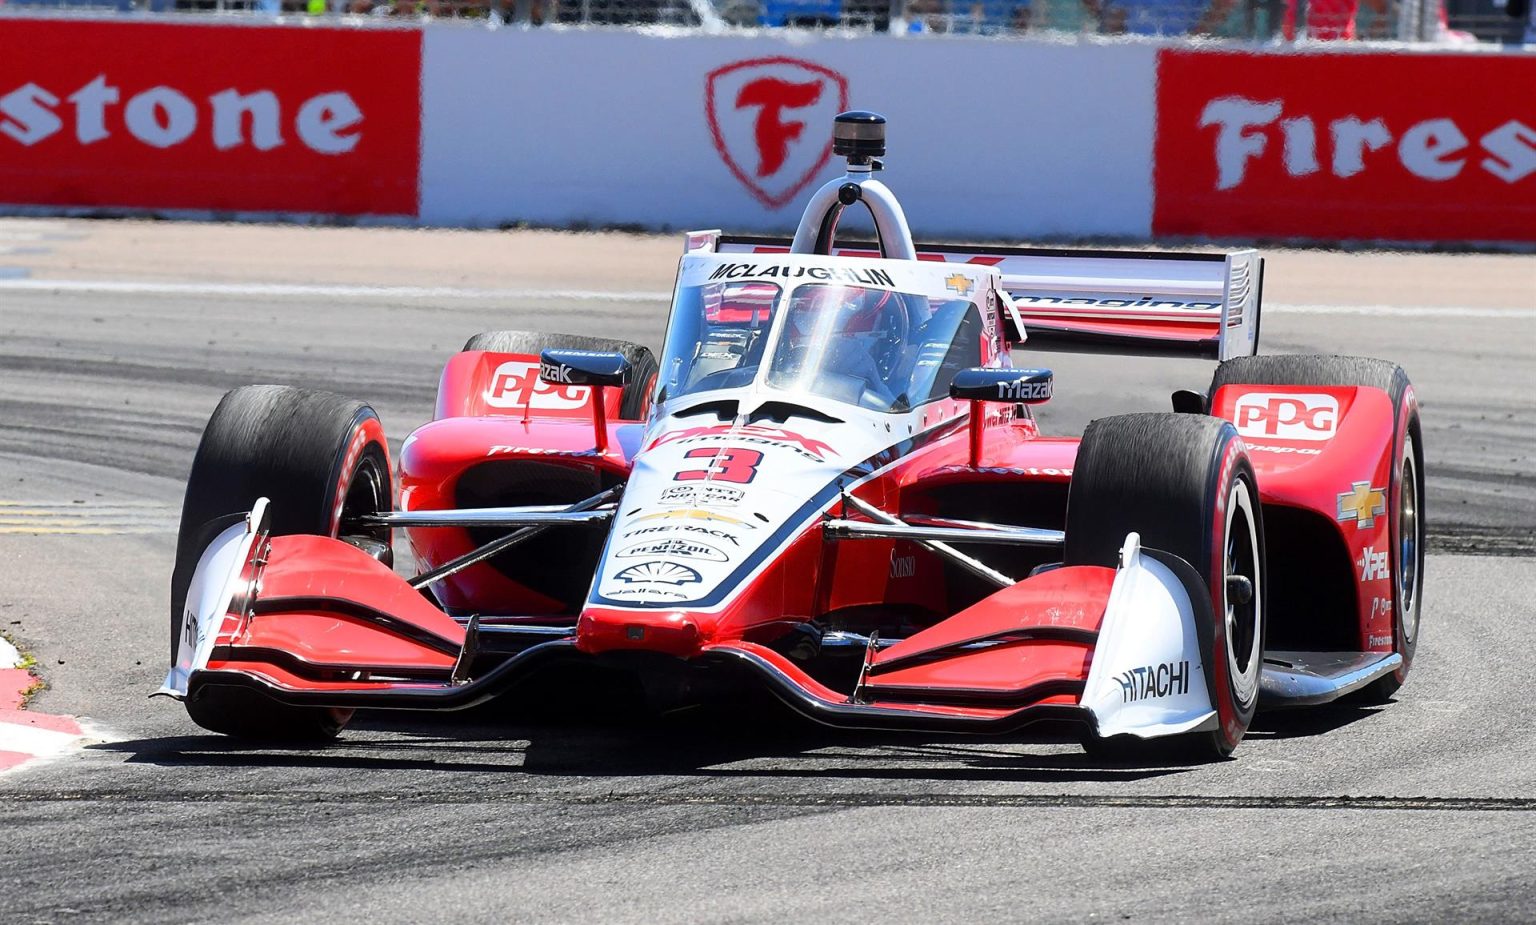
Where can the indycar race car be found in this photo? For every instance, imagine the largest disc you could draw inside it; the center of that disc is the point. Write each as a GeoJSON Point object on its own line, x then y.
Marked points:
{"type": "Point", "coordinates": [831, 486]}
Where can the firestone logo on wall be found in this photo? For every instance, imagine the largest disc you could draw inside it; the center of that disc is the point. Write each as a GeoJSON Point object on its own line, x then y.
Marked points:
{"type": "Point", "coordinates": [145, 116]}
{"type": "Point", "coordinates": [1394, 147]}
{"type": "Point", "coordinates": [771, 121]}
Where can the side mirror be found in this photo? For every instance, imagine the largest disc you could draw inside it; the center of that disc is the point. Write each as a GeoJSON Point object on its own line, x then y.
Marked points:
{"type": "Point", "coordinates": [583, 367]}
{"type": "Point", "coordinates": [587, 367]}
{"type": "Point", "coordinates": [1029, 386]}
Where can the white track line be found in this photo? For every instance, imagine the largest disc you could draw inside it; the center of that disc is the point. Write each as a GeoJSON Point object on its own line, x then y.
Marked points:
{"type": "Point", "coordinates": [36, 741]}
{"type": "Point", "coordinates": [285, 290]}
{"type": "Point", "coordinates": [282, 290]}
{"type": "Point", "coordinates": [1404, 311]}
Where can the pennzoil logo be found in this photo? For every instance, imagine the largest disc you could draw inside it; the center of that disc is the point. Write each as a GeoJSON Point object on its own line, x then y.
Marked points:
{"type": "Point", "coordinates": [697, 514]}
{"type": "Point", "coordinates": [673, 546]}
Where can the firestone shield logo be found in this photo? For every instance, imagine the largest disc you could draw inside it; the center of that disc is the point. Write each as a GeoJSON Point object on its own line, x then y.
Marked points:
{"type": "Point", "coordinates": [771, 121]}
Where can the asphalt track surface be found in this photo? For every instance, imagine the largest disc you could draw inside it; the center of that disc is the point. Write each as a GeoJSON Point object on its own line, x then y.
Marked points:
{"type": "Point", "coordinates": [543, 809]}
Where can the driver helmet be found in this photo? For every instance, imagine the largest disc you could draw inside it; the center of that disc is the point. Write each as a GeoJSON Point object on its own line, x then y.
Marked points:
{"type": "Point", "coordinates": [856, 310]}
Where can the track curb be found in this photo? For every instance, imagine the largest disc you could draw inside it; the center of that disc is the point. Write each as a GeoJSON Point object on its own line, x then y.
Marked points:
{"type": "Point", "coordinates": [25, 735]}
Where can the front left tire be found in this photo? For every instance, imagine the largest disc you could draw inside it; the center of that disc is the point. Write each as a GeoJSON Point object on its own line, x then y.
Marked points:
{"type": "Point", "coordinates": [322, 461]}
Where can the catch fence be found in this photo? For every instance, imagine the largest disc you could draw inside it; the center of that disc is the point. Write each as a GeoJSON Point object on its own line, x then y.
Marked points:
{"type": "Point", "coordinates": [1416, 21]}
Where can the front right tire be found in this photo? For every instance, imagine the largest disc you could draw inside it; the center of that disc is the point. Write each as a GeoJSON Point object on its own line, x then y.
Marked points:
{"type": "Point", "coordinates": [1184, 483]}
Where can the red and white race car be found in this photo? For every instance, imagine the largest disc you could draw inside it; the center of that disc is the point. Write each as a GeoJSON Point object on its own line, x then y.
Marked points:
{"type": "Point", "coordinates": [831, 485]}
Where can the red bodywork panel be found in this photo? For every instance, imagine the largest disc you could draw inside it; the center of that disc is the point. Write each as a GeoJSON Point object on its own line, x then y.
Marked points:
{"type": "Point", "coordinates": [1042, 628]}
{"type": "Point", "coordinates": [479, 382]}
{"type": "Point", "coordinates": [330, 618]}
{"type": "Point", "coordinates": [326, 610]}
{"type": "Point", "coordinates": [1340, 467]}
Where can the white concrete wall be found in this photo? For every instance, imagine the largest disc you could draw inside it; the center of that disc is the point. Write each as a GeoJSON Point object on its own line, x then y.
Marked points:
{"type": "Point", "coordinates": [987, 138]}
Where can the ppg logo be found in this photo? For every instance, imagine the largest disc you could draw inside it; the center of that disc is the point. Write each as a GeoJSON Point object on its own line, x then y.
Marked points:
{"type": "Point", "coordinates": [1287, 417]}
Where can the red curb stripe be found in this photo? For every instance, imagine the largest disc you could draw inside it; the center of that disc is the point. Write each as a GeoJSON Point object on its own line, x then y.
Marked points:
{"type": "Point", "coordinates": [10, 760]}
{"type": "Point", "coordinates": [64, 724]}
{"type": "Point", "coordinates": [14, 682]}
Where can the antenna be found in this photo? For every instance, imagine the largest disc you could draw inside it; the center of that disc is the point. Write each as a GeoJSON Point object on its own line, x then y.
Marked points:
{"type": "Point", "coordinates": [860, 137]}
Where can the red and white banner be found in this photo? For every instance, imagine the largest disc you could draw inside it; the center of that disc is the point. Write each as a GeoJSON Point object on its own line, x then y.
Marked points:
{"type": "Point", "coordinates": [456, 126]}
{"type": "Point", "coordinates": [1346, 146]}
{"type": "Point", "coordinates": [97, 114]}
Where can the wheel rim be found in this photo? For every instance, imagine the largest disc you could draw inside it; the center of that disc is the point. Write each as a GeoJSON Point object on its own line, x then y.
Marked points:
{"type": "Point", "coordinates": [1244, 621]}
{"type": "Point", "coordinates": [1408, 549]}
{"type": "Point", "coordinates": [367, 493]}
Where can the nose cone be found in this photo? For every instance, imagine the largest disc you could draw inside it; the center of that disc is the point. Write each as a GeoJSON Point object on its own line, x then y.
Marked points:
{"type": "Point", "coordinates": [665, 632]}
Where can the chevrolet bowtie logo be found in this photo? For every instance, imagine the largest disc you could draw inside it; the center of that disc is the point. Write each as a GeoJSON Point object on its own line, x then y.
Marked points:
{"type": "Point", "coordinates": [960, 283]}
{"type": "Point", "coordinates": [1362, 504]}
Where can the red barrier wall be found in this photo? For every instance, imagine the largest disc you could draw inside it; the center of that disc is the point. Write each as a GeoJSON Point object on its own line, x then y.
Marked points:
{"type": "Point", "coordinates": [1390, 146]}
{"type": "Point", "coordinates": [449, 125]}
{"type": "Point", "coordinates": [223, 118]}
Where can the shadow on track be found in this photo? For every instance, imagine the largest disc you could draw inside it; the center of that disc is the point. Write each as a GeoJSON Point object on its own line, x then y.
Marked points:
{"type": "Point", "coordinates": [1311, 721]}
{"type": "Point", "coordinates": [749, 738]}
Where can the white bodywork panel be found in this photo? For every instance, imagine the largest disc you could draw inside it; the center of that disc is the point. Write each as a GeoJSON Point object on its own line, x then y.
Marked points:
{"type": "Point", "coordinates": [678, 542]}
{"type": "Point", "coordinates": [710, 503]}
{"type": "Point", "coordinates": [1057, 289]}
{"type": "Point", "coordinates": [209, 597]}
{"type": "Point", "coordinates": [1148, 676]}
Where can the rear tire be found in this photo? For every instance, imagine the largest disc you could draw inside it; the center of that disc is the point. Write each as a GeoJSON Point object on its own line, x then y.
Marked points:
{"type": "Point", "coordinates": [1184, 483]}
{"type": "Point", "coordinates": [643, 368]}
{"type": "Point", "coordinates": [1406, 490]}
{"type": "Point", "coordinates": [322, 461]}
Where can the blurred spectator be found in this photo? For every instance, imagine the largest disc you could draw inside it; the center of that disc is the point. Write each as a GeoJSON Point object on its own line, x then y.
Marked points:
{"type": "Point", "coordinates": [1526, 10]}
{"type": "Point", "coordinates": [1330, 20]}
{"type": "Point", "coordinates": [1158, 17]}
{"type": "Point", "coordinates": [926, 16]}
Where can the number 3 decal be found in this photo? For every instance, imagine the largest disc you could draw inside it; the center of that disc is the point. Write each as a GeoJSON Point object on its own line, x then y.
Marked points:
{"type": "Point", "coordinates": [739, 466]}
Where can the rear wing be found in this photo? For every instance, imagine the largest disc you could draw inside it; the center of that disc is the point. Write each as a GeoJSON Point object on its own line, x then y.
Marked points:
{"type": "Point", "coordinates": [1100, 301]}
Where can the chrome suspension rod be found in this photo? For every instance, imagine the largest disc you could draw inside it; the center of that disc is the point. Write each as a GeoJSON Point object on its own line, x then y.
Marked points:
{"type": "Point", "coordinates": [1016, 536]}
{"type": "Point", "coordinates": [454, 566]}
{"type": "Point", "coordinates": [487, 517]}
{"type": "Point", "coordinates": [975, 567]}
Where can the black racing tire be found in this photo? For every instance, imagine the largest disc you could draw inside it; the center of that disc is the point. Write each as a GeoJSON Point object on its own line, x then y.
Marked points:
{"type": "Point", "coordinates": [321, 460]}
{"type": "Point", "coordinates": [1184, 483]}
{"type": "Point", "coordinates": [245, 714]}
{"type": "Point", "coordinates": [1406, 492]}
{"type": "Point", "coordinates": [635, 401]}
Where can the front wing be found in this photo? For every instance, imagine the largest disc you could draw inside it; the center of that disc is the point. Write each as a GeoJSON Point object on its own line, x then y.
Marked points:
{"type": "Point", "coordinates": [313, 621]}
